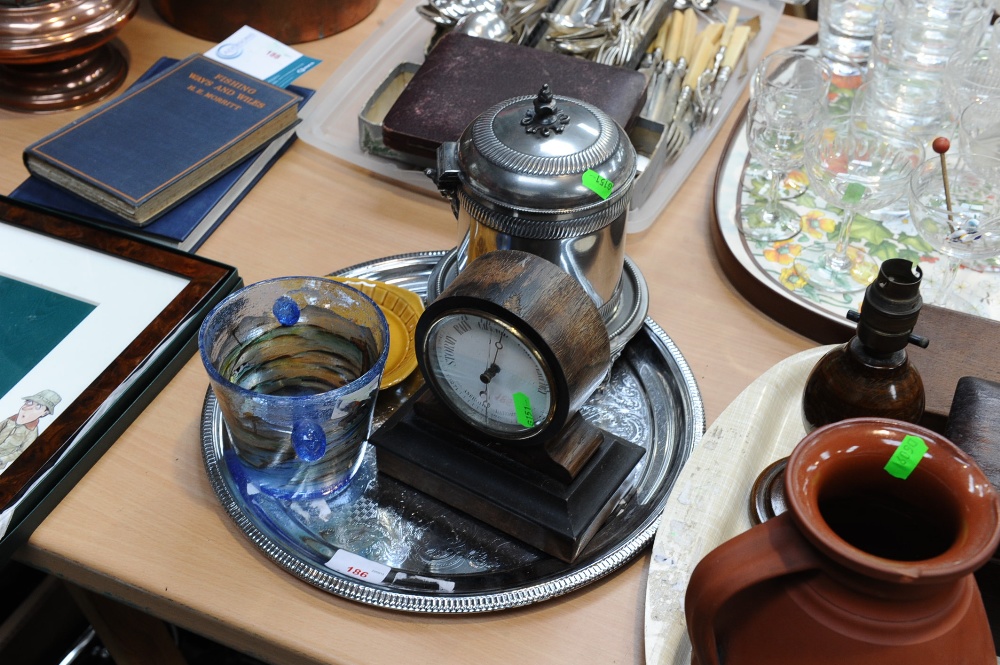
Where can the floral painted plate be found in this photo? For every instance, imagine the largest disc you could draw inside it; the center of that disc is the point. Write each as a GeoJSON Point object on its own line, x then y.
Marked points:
{"type": "Point", "coordinates": [763, 271]}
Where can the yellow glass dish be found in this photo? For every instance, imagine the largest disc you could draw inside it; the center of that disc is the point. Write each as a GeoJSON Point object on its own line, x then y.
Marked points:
{"type": "Point", "coordinates": [402, 308]}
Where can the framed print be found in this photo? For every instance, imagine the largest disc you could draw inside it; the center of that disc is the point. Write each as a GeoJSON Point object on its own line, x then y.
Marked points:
{"type": "Point", "coordinates": [92, 324]}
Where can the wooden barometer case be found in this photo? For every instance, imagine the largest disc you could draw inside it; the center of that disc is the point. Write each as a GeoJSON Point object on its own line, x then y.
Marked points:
{"type": "Point", "coordinates": [510, 351]}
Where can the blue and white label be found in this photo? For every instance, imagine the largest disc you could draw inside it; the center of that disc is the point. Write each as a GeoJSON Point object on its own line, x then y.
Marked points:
{"type": "Point", "coordinates": [284, 78]}
{"type": "Point", "coordinates": [254, 53]}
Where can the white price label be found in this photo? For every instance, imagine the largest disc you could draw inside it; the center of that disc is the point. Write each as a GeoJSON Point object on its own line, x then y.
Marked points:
{"type": "Point", "coordinates": [254, 53]}
{"type": "Point", "coordinates": [358, 566]}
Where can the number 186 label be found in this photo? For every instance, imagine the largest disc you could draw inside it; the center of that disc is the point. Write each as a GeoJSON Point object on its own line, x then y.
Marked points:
{"type": "Point", "coordinates": [351, 564]}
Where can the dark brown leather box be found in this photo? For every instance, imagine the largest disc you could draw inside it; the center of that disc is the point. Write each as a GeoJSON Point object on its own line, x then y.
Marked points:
{"type": "Point", "coordinates": [464, 76]}
{"type": "Point", "coordinates": [974, 426]}
{"type": "Point", "coordinates": [974, 423]}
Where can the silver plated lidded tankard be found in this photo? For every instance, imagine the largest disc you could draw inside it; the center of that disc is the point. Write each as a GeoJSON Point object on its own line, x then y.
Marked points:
{"type": "Point", "coordinates": [547, 175]}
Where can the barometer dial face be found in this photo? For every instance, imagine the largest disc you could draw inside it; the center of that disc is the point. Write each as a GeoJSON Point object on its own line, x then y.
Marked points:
{"type": "Point", "coordinates": [488, 373]}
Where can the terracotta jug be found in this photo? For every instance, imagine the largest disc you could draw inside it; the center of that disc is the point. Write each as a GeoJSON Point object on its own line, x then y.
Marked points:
{"type": "Point", "coordinates": [865, 567]}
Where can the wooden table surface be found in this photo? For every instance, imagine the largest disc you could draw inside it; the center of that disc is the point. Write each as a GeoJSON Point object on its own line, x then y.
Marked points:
{"type": "Point", "coordinates": [144, 526]}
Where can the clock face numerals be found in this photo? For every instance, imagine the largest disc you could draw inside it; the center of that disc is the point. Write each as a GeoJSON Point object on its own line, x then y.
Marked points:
{"type": "Point", "coordinates": [488, 373]}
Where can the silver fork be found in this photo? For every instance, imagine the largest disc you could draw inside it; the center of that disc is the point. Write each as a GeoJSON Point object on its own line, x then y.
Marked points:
{"type": "Point", "coordinates": [679, 136]}
{"type": "Point", "coordinates": [682, 122]}
{"type": "Point", "coordinates": [687, 116]}
{"type": "Point", "coordinates": [619, 51]}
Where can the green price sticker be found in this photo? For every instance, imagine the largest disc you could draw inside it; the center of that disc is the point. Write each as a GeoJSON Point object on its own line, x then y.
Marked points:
{"type": "Point", "coordinates": [598, 184]}
{"type": "Point", "coordinates": [907, 456]}
{"type": "Point", "coordinates": [854, 192]}
{"type": "Point", "coordinates": [522, 408]}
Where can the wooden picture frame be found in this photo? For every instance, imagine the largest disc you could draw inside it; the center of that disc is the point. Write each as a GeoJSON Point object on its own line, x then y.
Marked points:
{"type": "Point", "coordinates": [142, 305]}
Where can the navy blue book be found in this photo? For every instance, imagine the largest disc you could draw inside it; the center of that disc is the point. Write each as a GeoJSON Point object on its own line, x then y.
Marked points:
{"type": "Point", "coordinates": [187, 225]}
{"type": "Point", "coordinates": [153, 146]}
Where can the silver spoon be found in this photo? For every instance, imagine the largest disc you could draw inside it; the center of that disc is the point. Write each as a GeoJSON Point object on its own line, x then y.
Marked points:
{"type": "Point", "coordinates": [488, 25]}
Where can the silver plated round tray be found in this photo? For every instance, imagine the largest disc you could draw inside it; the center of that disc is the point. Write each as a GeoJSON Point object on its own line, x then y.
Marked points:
{"type": "Point", "coordinates": [383, 543]}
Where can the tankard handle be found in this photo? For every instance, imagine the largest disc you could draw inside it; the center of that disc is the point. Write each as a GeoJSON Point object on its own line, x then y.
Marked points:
{"type": "Point", "coordinates": [446, 173]}
{"type": "Point", "coordinates": [773, 549]}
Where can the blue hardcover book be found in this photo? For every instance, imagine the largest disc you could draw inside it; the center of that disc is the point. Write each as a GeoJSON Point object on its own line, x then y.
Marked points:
{"type": "Point", "coordinates": [160, 141]}
{"type": "Point", "coordinates": [187, 225]}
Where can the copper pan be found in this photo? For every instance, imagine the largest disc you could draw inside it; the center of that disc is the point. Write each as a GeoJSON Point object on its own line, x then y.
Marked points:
{"type": "Point", "coordinates": [288, 21]}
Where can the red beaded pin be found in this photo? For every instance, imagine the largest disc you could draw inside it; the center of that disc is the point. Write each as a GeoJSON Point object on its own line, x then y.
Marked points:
{"type": "Point", "coordinates": [941, 145]}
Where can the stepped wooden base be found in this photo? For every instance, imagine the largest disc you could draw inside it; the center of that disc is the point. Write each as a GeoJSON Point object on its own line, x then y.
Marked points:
{"type": "Point", "coordinates": [556, 517]}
